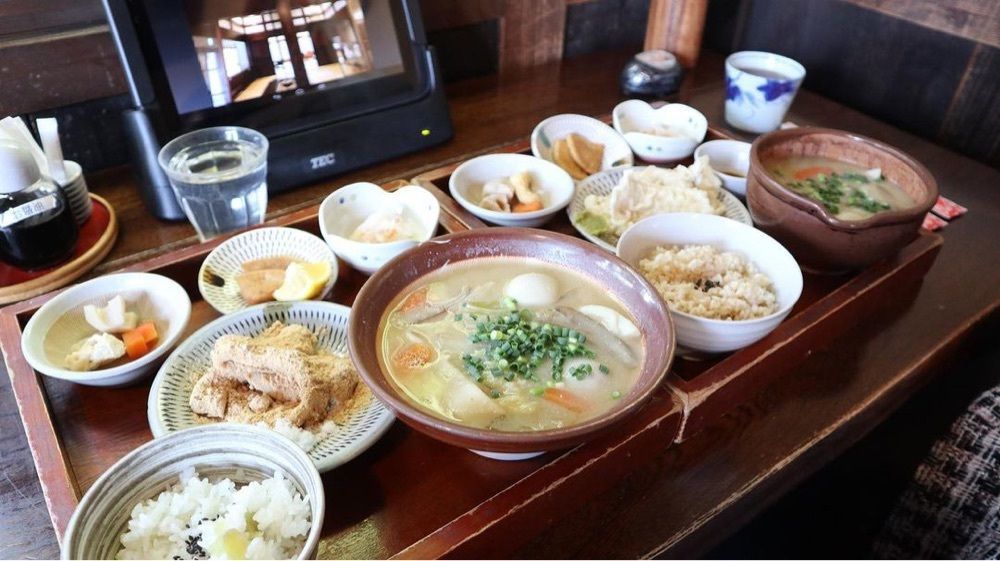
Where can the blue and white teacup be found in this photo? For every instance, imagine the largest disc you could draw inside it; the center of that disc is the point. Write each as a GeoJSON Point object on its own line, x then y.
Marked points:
{"type": "Point", "coordinates": [760, 88]}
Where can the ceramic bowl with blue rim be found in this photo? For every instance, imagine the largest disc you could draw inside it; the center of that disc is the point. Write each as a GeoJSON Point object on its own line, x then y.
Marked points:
{"type": "Point", "coordinates": [760, 87]}
{"type": "Point", "coordinates": [168, 409]}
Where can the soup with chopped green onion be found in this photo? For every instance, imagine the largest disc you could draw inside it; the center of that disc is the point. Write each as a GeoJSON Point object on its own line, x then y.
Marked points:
{"type": "Point", "coordinates": [848, 192]}
{"type": "Point", "coordinates": [511, 345]}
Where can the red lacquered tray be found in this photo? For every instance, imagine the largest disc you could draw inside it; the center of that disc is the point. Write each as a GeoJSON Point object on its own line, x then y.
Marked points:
{"type": "Point", "coordinates": [97, 236]}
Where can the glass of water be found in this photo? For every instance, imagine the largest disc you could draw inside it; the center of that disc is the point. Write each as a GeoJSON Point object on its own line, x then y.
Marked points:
{"type": "Point", "coordinates": [219, 175]}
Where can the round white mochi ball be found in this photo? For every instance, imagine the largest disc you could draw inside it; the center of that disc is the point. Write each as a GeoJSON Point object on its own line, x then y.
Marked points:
{"type": "Point", "coordinates": [533, 290]}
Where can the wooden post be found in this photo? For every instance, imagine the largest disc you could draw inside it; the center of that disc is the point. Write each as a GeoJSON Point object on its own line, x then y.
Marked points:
{"type": "Point", "coordinates": [676, 26]}
{"type": "Point", "coordinates": [531, 33]}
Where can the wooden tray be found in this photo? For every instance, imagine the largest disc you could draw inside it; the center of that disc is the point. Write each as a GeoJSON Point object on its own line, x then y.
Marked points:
{"type": "Point", "coordinates": [407, 496]}
{"type": "Point", "coordinates": [410, 496]}
{"type": "Point", "coordinates": [97, 237]}
{"type": "Point", "coordinates": [710, 386]}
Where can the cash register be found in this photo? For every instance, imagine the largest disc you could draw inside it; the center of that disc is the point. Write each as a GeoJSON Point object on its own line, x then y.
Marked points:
{"type": "Point", "coordinates": [334, 85]}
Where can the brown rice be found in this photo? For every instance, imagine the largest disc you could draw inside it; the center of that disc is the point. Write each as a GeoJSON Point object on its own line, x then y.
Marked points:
{"type": "Point", "coordinates": [701, 280]}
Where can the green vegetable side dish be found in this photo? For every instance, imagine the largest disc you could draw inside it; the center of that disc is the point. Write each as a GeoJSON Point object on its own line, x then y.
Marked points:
{"type": "Point", "coordinates": [846, 191]}
{"type": "Point", "coordinates": [596, 225]}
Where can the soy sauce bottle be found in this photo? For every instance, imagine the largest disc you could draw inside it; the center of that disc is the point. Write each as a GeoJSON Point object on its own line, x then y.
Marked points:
{"type": "Point", "coordinates": [37, 228]}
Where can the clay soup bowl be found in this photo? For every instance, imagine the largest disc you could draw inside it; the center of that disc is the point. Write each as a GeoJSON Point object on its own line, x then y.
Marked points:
{"type": "Point", "coordinates": [820, 242]}
{"type": "Point", "coordinates": [606, 270]}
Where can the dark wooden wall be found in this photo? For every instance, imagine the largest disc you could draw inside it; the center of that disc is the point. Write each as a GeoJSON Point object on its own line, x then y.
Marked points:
{"type": "Point", "coordinates": [928, 66]}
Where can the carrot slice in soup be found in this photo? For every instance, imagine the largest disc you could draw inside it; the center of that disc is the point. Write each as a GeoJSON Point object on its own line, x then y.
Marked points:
{"type": "Point", "coordinates": [135, 344]}
{"type": "Point", "coordinates": [812, 171]}
{"type": "Point", "coordinates": [414, 355]}
{"type": "Point", "coordinates": [416, 299]}
{"type": "Point", "coordinates": [565, 399]}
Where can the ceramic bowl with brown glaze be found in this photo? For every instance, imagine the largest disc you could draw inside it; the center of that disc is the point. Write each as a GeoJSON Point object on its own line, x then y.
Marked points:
{"type": "Point", "coordinates": [607, 271]}
{"type": "Point", "coordinates": [820, 242]}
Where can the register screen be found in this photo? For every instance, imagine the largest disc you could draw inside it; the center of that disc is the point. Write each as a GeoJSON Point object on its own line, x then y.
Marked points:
{"type": "Point", "coordinates": [234, 51]}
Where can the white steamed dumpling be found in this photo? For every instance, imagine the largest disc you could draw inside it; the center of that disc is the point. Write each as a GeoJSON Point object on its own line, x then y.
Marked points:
{"type": "Point", "coordinates": [533, 290]}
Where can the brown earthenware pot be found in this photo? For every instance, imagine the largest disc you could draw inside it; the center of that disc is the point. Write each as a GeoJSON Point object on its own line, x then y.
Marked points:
{"type": "Point", "coordinates": [820, 242]}
{"type": "Point", "coordinates": [606, 270]}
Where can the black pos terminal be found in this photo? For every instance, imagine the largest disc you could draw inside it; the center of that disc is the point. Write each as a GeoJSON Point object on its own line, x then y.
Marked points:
{"type": "Point", "coordinates": [334, 85]}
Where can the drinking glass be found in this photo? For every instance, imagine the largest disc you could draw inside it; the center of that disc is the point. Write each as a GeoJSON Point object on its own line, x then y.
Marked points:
{"type": "Point", "coordinates": [219, 175]}
{"type": "Point", "coordinates": [760, 88]}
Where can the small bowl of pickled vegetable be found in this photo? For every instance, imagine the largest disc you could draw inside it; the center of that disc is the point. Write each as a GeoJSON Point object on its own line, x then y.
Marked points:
{"type": "Point", "coordinates": [838, 201]}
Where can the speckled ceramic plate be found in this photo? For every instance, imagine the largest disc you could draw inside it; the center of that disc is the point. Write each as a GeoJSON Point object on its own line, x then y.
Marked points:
{"type": "Point", "coordinates": [217, 277]}
{"type": "Point", "coordinates": [603, 182]}
{"type": "Point", "coordinates": [168, 410]}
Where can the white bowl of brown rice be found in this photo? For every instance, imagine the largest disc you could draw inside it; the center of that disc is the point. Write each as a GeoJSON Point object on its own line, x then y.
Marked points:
{"type": "Point", "coordinates": [727, 284]}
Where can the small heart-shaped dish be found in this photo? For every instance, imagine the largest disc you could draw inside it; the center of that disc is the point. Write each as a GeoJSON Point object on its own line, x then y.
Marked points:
{"type": "Point", "coordinates": [346, 208]}
{"type": "Point", "coordinates": [678, 129]}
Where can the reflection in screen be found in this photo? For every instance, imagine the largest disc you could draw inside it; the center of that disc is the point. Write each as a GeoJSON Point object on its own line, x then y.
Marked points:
{"type": "Point", "coordinates": [249, 49]}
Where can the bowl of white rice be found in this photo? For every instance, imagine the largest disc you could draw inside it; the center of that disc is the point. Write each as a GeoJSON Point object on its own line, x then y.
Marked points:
{"type": "Point", "coordinates": [222, 491]}
{"type": "Point", "coordinates": [727, 284]}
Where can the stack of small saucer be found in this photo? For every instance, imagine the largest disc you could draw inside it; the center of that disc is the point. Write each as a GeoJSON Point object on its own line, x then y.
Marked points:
{"type": "Point", "coordinates": [75, 189]}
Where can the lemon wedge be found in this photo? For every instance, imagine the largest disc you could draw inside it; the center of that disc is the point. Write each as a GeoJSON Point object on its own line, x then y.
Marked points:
{"type": "Point", "coordinates": [303, 281]}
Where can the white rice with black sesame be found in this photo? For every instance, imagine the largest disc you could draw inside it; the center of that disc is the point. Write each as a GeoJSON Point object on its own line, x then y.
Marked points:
{"type": "Point", "coordinates": [198, 519]}
{"type": "Point", "coordinates": [701, 280]}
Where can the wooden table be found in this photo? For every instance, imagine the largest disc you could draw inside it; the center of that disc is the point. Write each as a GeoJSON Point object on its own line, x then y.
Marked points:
{"type": "Point", "coordinates": [692, 495]}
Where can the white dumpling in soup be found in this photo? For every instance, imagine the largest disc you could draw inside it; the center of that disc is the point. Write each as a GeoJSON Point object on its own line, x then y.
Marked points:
{"type": "Point", "coordinates": [465, 400]}
{"type": "Point", "coordinates": [611, 320]}
{"type": "Point", "coordinates": [533, 290]}
{"type": "Point", "coordinates": [597, 386]}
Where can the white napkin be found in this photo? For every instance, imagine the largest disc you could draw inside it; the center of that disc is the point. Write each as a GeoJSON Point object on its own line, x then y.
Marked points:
{"type": "Point", "coordinates": [14, 129]}
{"type": "Point", "coordinates": [48, 132]}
